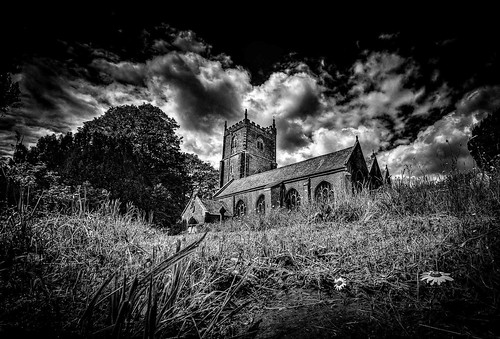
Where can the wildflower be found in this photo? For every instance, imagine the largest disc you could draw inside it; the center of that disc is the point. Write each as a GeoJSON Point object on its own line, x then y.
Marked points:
{"type": "Point", "coordinates": [339, 283]}
{"type": "Point", "coordinates": [435, 277]}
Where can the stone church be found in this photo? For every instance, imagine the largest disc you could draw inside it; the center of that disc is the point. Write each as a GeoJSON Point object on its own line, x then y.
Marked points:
{"type": "Point", "coordinates": [251, 182]}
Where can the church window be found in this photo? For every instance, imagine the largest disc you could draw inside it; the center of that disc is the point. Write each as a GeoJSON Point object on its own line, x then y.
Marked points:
{"type": "Point", "coordinates": [234, 143]}
{"type": "Point", "coordinates": [260, 144]}
{"type": "Point", "coordinates": [241, 208]}
{"type": "Point", "coordinates": [324, 193]}
{"type": "Point", "coordinates": [292, 199]}
{"type": "Point", "coordinates": [261, 205]}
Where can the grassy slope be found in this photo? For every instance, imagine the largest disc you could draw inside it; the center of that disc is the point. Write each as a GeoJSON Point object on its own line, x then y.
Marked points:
{"type": "Point", "coordinates": [379, 243]}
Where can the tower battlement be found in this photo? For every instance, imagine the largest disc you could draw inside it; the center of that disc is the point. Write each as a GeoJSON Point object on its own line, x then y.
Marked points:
{"type": "Point", "coordinates": [245, 122]}
{"type": "Point", "coordinates": [248, 148]}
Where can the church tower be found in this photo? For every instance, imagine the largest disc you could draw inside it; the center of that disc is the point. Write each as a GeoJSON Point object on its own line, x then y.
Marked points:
{"type": "Point", "coordinates": [247, 149]}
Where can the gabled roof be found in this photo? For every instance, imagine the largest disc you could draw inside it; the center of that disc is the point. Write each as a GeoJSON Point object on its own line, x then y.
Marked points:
{"type": "Point", "coordinates": [213, 206]}
{"type": "Point", "coordinates": [323, 163]}
{"type": "Point", "coordinates": [209, 205]}
{"type": "Point", "coordinates": [370, 162]}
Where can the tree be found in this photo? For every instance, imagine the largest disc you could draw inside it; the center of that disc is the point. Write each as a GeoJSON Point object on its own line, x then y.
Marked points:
{"type": "Point", "coordinates": [134, 153]}
{"type": "Point", "coordinates": [484, 145]}
{"type": "Point", "coordinates": [52, 151]}
{"type": "Point", "coordinates": [202, 177]}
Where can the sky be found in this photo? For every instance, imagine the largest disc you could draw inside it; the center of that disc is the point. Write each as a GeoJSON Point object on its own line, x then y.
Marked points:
{"type": "Point", "coordinates": [409, 84]}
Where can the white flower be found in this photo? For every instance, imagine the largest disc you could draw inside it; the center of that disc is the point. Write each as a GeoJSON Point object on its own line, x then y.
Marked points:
{"type": "Point", "coordinates": [435, 277]}
{"type": "Point", "coordinates": [339, 283]}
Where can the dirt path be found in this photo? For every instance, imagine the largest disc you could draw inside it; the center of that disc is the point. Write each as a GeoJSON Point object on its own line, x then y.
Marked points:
{"type": "Point", "coordinates": [300, 313]}
{"type": "Point", "coordinates": [309, 314]}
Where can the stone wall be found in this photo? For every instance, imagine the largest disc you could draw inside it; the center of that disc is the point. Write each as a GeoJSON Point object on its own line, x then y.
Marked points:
{"type": "Point", "coordinates": [338, 180]}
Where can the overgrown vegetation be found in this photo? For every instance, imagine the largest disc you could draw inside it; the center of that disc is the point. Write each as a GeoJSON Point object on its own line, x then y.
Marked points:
{"type": "Point", "coordinates": [130, 152]}
{"type": "Point", "coordinates": [100, 269]}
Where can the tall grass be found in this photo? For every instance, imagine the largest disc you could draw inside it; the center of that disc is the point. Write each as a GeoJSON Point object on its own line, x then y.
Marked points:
{"type": "Point", "coordinates": [381, 242]}
{"type": "Point", "coordinates": [106, 274]}
{"type": "Point", "coordinates": [109, 274]}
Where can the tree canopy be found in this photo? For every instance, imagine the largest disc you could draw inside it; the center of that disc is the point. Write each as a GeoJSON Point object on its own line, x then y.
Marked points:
{"type": "Point", "coordinates": [202, 177]}
{"type": "Point", "coordinates": [133, 152]}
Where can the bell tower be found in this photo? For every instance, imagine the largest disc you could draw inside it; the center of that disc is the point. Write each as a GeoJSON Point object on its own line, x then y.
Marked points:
{"type": "Point", "coordinates": [247, 149]}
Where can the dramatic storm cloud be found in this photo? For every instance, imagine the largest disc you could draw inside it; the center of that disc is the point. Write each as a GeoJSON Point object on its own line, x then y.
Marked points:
{"type": "Point", "coordinates": [403, 106]}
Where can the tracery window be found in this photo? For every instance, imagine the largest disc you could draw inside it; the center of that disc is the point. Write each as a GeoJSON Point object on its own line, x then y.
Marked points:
{"type": "Point", "coordinates": [241, 209]}
{"type": "Point", "coordinates": [292, 199]}
{"type": "Point", "coordinates": [234, 143]}
{"type": "Point", "coordinates": [260, 144]}
{"type": "Point", "coordinates": [324, 193]}
{"type": "Point", "coordinates": [261, 205]}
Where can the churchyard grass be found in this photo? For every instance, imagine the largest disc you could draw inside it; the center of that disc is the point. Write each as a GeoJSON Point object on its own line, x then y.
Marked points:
{"type": "Point", "coordinates": [108, 274]}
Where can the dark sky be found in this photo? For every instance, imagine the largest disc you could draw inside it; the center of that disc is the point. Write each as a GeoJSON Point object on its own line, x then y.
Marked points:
{"type": "Point", "coordinates": [410, 82]}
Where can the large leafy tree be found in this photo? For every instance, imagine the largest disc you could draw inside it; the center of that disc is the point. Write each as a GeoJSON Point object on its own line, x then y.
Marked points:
{"type": "Point", "coordinates": [133, 152]}
{"type": "Point", "coordinates": [484, 145]}
{"type": "Point", "coordinates": [202, 177]}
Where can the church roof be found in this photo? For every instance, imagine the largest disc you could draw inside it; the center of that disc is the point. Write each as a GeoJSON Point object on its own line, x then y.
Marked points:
{"type": "Point", "coordinates": [323, 163]}
{"type": "Point", "coordinates": [213, 206]}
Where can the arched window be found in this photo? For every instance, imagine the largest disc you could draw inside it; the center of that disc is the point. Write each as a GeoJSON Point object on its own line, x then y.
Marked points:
{"type": "Point", "coordinates": [323, 193]}
{"type": "Point", "coordinates": [234, 143]}
{"type": "Point", "coordinates": [260, 144]}
{"type": "Point", "coordinates": [241, 209]}
{"type": "Point", "coordinates": [292, 199]}
{"type": "Point", "coordinates": [261, 205]}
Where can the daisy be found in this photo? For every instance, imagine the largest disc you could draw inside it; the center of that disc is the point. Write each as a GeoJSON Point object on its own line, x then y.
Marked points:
{"type": "Point", "coordinates": [339, 283]}
{"type": "Point", "coordinates": [435, 277]}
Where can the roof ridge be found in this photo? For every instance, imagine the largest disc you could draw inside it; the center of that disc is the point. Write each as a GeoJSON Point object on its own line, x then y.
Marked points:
{"type": "Point", "coordinates": [223, 187]}
{"type": "Point", "coordinates": [316, 157]}
{"type": "Point", "coordinates": [296, 163]}
{"type": "Point", "coordinates": [334, 160]}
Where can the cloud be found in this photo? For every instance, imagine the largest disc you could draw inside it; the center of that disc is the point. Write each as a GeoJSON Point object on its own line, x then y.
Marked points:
{"type": "Point", "coordinates": [442, 146]}
{"type": "Point", "coordinates": [384, 110]}
{"type": "Point", "coordinates": [124, 72]}
{"type": "Point", "coordinates": [295, 100]}
{"type": "Point", "coordinates": [189, 42]}
{"type": "Point", "coordinates": [49, 104]}
{"type": "Point", "coordinates": [381, 98]}
{"type": "Point", "coordinates": [439, 148]}
{"type": "Point", "coordinates": [204, 93]}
